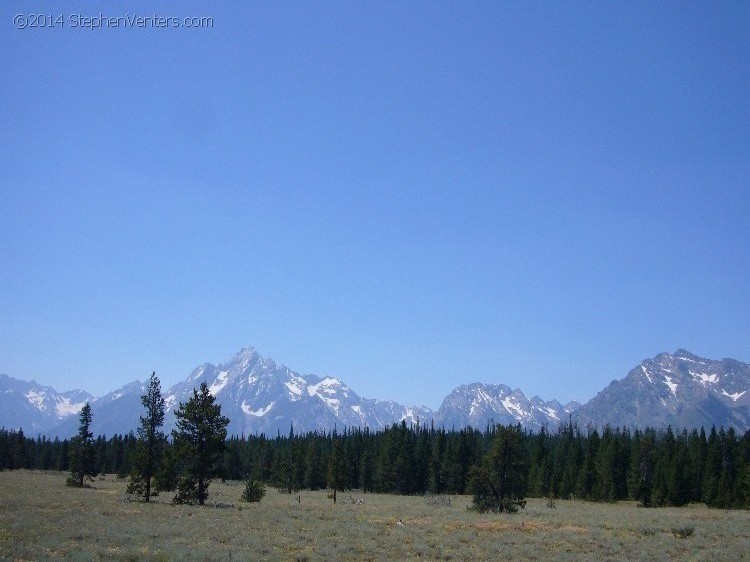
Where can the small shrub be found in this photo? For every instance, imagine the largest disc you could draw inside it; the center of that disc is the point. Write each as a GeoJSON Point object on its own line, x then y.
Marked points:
{"type": "Point", "coordinates": [551, 501]}
{"type": "Point", "coordinates": [72, 482]}
{"type": "Point", "coordinates": [683, 532]}
{"type": "Point", "coordinates": [187, 491]}
{"type": "Point", "coordinates": [440, 500]}
{"type": "Point", "coordinates": [254, 491]}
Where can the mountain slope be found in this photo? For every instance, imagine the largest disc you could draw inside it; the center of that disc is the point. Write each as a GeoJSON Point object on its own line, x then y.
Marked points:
{"type": "Point", "coordinates": [115, 413]}
{"type": "Point", "coordinates": [36, 408]}
{"type": "Point", "coordinates": [477, 404]}
{"type": "Point", "coordinates": [682, 390]}
{"type": "Point", "coordinates": [259, 396]}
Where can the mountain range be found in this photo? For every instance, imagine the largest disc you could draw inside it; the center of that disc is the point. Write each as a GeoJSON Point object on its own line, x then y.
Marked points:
{"type": "Point", "coordinates": [259, 396]}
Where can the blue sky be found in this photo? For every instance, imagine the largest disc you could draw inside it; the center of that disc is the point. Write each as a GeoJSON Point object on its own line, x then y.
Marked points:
{"type": "Point", "coordinates": [408, 196]}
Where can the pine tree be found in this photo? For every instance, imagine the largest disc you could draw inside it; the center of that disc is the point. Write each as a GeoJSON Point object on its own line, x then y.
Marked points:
{"type": "Point", "coordinates": [540, 469]}
{"type": "Point", "coordinates": [367, 463]}
{"type": "Point", "coordinates": [337, 478]}
{"type": "Point", "coordinates": [314, 477]}
{"type": "Point", "coordinates": [499, 482]}
{"type": "Point", "coordinates": [712, 469]}
{"type": "Point", "coordinates": [695, 464]}
{"type": "Point", "coordinates": [588, 480]}
{"type": "Point", "coordinates": [199, 440]}
{"type": "Point", "coordinates": [83, 452]}
{"type": "Point", "coordinates": [567, 460]}
{"type": "Point", "coordinates": [151, 442]}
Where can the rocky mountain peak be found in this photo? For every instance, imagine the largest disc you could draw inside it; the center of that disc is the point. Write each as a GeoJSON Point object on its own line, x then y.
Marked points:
{"type": "Point", "coordinates": [259, 396]}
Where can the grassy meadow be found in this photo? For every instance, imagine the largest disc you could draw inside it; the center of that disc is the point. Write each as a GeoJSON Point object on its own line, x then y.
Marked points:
{"type": "Point", "coordinates": [41, 519]}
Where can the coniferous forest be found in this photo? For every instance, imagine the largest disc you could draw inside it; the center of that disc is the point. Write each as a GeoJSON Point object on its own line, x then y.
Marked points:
{"type": "Point", "coordinates": [654, 467]}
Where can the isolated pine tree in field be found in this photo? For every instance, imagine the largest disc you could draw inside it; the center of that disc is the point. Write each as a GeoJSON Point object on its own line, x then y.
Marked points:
{"type": "Point", "coordinates": [151, 443]}
{"type": "Point", "coordinates": [499, 482]}
{"type": "Point", "coordinates": [254, 491]}
{"type": "Point", "coordinates": [199, 442]}
{"type": "Point", "coordinates": [83, 452]}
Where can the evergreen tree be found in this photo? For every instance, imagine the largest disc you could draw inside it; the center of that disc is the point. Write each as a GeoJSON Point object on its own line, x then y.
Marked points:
{"type": "Point", "coordinates": [436, 485]}
{"type": "Point", "coordinates": [695, 464]}
{"type": "Point", "coordinates": [588, 482]}
{"type": "Point", "coordinates": [19, 450]}
{"type": "Point", "coordinates": [540, 468]}
{"type": "Point", "coordinates": [151, 442]}
{"type": "Point", "coordinates": [499, 482]}
{"type": "Point", "coordinates": [727, 483]}
{"type": "Point", "coordinates": [712, 469]}
{"type": "Point", "coordinates": [199, 441]}
{"type": "Point", "coordinates": [404, 460]}
{"type": "Point", "coordinates": [337, 474]}
{"type": "Point", "coordinates": [743, 472]}
{"type": "Point", "coordinates": [568, 458]}
{"type": "Point", "coordinates": [640, 478]}
{"type": "Point", "coordinates": [232, 463]}
{"type": "Point", "coordinates": [83, 452]}
{"type": "Point", "coordinates": [313, 475]}
{"type": "Point", "coordinates": [367, 463]}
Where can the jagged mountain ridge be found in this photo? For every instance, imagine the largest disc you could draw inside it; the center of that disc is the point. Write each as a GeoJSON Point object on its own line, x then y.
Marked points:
{"type": "Point", "coordinates": [117, 412]}
{"type": "Point", "coordinates": [36, 408]}
{"type": "Point", "coordinates": [259, 396]}
{"type": "Point", "coordinates": [477, 404]}
{"type": "Point", "coordinates": [680, 389]}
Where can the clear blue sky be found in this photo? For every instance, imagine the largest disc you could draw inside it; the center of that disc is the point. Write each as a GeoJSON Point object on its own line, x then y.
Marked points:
{"type": "Point", "coordinates": [405, 195]}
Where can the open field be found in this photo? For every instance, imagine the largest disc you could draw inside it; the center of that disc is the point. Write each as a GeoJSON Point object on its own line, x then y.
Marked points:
{"type": "Point", "coordinates": [41, 519]}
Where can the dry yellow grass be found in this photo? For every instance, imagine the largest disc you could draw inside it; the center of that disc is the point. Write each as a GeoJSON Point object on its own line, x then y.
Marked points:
{"type": "Point", "coordinates": [41, 519]}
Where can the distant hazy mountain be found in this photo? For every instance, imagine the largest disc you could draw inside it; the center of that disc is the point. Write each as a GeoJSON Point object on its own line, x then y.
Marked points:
{"type": "Point", "coordinates": [36, 408]}
{"type": "Point", "coordinates": [682, 390]}
{"type": "Point", "coordinates": [476, 404]}
{"type": "Point", "coordinates": [259, 396]}
{"type": "Point", "coordinates": [116, 413]}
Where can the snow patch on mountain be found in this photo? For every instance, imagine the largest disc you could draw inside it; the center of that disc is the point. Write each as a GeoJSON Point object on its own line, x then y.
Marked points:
{"type": "Point", "coordinates": [328, 386]}
{"type": "Point", "coordinates": [672, 386]}
{"type": "Point", "coordinates": [35, 398]}
{"type": "Point", "coordinates": [257, 413]}
{"type": "Point", "coordinates": [514, 409]}
{"type": "Point", "coordinates": [65, 407]}
{"type": "Point", "coordinates": [736, 396]}
{"type": "Point", "coordinates": [704, 378]}
{"type": "Point", "coordinates": [219, 383]}
{"type": "Point", "coordinates": [550, 412]}
{"type": "Point", "coordinates": [169, 402]}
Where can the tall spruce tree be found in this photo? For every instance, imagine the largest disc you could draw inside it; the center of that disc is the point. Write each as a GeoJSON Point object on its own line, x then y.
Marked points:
{"type": "Point", "coordinates": [337, 474]}
{"type": "Point", "coordinates": [83, 451]}
{"type": "Point", "coordinates": [199, 440]}
{"type": "Point", "coordinates": [151, 443]}
{"type": "Point", "coordinates": [499, 482]}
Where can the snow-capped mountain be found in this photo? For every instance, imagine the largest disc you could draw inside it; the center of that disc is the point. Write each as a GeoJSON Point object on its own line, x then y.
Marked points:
{"type": "Point", "coordinates": [477, 404]}
{"type": "Point", "coordinates": [259, 396]}
{"type": "Point", "coordinates": [36, 408]}
{"type": "Point", "coordinates": [115, 413]}
{"type": "Point", "coordinates": [682, 390]}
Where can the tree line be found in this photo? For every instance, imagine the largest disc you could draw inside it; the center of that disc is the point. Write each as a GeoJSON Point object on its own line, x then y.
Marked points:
{"type": "Point", "coordinates": [499, 465]}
